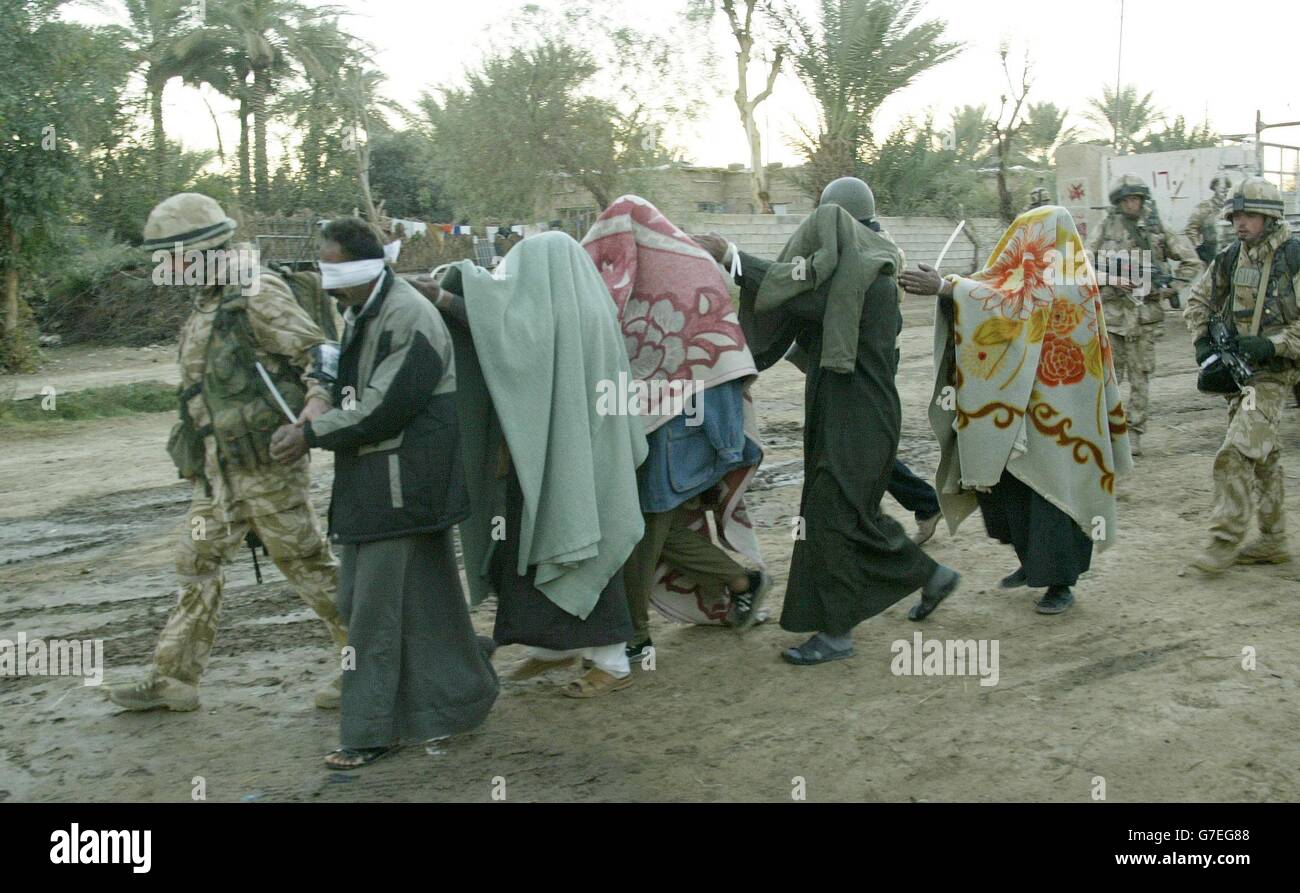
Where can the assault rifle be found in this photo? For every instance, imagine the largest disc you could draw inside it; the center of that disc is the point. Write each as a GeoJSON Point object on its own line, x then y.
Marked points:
{"type": "Point", "coordinates": [1224, 340]}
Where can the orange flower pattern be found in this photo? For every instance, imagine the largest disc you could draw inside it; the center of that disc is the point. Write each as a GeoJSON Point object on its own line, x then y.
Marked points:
{"type": "Point", "coordinates": [1062, 361]}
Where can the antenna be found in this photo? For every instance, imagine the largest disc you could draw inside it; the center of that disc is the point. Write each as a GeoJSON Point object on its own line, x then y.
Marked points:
{"type": "Point", "coordinates": [1119, 63]}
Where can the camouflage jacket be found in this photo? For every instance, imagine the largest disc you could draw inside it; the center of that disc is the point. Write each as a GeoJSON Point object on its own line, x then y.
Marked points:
{"type": "Point", "coordinates": [1204, 222]}
{"type": "Point", "coordinates": [1202, 302]}
{"type": "Point", "coordinates": [285, 336]}
{"type": "Point", "coordinates": [1170, 251]}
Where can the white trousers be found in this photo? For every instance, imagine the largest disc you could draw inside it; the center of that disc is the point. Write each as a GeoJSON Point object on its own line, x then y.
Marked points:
{"type": "Point", "coordinates": [610, 658]}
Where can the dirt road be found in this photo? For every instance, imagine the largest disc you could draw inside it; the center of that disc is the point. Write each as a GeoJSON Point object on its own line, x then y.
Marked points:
{"type": "Point", "coordinates": [1142, 684]}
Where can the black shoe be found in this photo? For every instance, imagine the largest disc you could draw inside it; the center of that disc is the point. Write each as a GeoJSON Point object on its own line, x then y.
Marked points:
{"type": "Point", "coordinates": [1014, 580]}
{"type": "Point", "coordinates": [1057, 600]}
{"type": "Point", "coordinates": [639, 650]}
{"type": "Point", "coordinates": [942, 583]}
{"type": "Point", "coordinates": [744, 605]}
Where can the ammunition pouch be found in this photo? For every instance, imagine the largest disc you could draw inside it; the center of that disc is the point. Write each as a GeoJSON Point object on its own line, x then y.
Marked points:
{"type": "Point", "coordinates": [243, 412]}
{"type": "Point", "coordinates": [185, 443]}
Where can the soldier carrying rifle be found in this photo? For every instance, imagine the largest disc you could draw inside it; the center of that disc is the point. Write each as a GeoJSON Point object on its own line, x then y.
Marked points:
{"type": "Point", "coordinates": [1251, 286]}
{"type": "Point", "coordinates": [1132, 318]}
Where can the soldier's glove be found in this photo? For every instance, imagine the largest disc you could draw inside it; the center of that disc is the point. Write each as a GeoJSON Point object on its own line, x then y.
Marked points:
{"type": "Point", "coordinates": [1204, 348]}
{"type": "Point", "coordinates": [1256, 347]}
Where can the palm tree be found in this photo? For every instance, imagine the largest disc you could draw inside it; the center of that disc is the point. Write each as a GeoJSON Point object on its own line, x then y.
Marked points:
{"type": "Point", "coordinates": [157, 28]}
{"type": "Point", "coordinates": [267, 37]}
{"type": "Point", "coordinates": [861, 53]}
{"type": "Point", "coordinates": [1126, 119]}
{"type": "Point", "coordinates": [1044, 132]}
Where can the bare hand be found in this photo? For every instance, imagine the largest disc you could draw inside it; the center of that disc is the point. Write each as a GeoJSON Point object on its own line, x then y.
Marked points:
{"type": "Point", "coordinates": [426, 286]}
{"type": "Point", "coordinates": [714, 243]}
{"type": "Point", "coordinates": [288, 444]}
{"type": "Point", "coordinates": [315, 408]}
{"type": "Point", "coordinates": [923, 281]}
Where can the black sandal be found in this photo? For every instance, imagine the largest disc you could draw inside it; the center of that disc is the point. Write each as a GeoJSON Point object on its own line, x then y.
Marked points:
{"type": "Point", "coordinates": [363, 756]}
{"type": "Point", "coordinates": [815, 651]}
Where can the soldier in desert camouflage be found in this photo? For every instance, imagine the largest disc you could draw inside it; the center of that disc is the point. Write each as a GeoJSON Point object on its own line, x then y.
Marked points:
{"type": "Point", "coordinates": [1253, 285]}
{"type": "Point", "coordinates": [1132, 319]}
{"type": "Point", "coordinates": [221, 445]}
{"type": "Point", "coordinates": [1202, 226]}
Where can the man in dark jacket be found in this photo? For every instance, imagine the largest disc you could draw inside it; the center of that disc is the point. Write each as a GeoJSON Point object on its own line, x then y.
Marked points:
{"type": "Point", "coordinates": [415, 670]}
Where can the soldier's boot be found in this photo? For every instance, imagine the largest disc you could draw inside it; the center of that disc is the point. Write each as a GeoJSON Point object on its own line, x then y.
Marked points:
{"type": "Point", "coordinates": [330, 695]}
{"type": "Point", "coordinates": [1233, 476]}
{"type": "Point", "coordinates": [1271, 547]}
{"type": "Point", "coordinates": [1265, 550]}
{"type": "Point", "coordinates": [1217, 557]}
{"type": "Point", "coordinates": [155, 692]}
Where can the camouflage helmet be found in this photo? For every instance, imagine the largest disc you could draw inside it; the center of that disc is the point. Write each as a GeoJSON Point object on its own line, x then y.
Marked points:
{"type": "Point", "coordinates": [852, 195]}
{"type": "Point", "coordinates": [1255, 195]}
{"type": "Point", "coordinates": [1220, 180]}
{"type": "Point", "coordinates": [1126, 185]}
{"type": "Point", "coordinates": [192, 219]}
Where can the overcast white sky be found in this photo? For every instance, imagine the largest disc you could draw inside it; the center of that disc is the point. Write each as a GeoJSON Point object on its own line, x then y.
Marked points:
{"type": "Point", "coordinates": [1200, 59]}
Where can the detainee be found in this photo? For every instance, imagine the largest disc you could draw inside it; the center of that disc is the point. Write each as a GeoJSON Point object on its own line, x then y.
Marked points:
{"type": "Point", "coordinates": [413, 669]}
{"type": "Point", "coordinates": [677, 320]}
{"type": "Point", "coordinates": [551, 475]}
{"type": "Point", "coordinates": [833, 292]}
{"type": "Point", "coordinates": [1026, 404]}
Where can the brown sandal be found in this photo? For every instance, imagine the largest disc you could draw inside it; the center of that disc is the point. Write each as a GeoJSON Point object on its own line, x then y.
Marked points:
{"type": "Point", "coordinates": [596, 682]}
{"type": "Point", "coordinates": [535, 666]}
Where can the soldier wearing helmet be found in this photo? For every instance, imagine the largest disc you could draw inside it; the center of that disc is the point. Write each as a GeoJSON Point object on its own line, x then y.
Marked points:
{"type": "Point", "coordinates": [1038, 197]}
{"type": "Point", "coordinates": [243, 315]}
{"type": "Point", "coordinates": [1252, 284]}
{"type": "Point", "coordinates": [1132, 249]}
{"type": "Point", "coordinates": [1202, 226]}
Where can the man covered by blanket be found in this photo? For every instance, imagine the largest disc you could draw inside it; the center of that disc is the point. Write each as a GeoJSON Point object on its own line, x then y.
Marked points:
{"type": "Point", "coordinates": [1026, 405]}
{"type": "Point", "coordinates": [692, 371]}
{"type": "Point", "coordinates": [551, 472]}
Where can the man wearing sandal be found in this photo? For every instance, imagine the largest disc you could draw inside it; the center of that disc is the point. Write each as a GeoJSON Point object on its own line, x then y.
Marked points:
{"type": "Point", "coordinates": [833, 291]}
{"type": "Point", "coordinates": [413, 668]}
{"type": "Point", "coordinates": [550, 469]}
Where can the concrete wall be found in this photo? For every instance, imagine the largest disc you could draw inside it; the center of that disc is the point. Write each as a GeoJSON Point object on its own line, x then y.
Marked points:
{"type": "Point", "coordinates": [1179, 181]}
{"type": "Point", "coordinates": [921, 238]}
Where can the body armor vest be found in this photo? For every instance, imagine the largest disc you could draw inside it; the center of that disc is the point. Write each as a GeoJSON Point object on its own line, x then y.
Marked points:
{"type": "Point", "coordinates": [1236, 288]}
{"type": "Point", "coordinates": [243, 413]}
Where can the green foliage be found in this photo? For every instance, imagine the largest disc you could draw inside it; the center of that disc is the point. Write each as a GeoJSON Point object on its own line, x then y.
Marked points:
{"type": "Point", "coordinates": [913, 173]}
{"type": "Point", "coordinates": [92, 403]}
{"type": "Point", "coordinates": [524, 117]}
{"type": "Point", "coordinates": [401, 165]}
{"type": "Point", "coordinates": [1176, 136]}
{"type": "Point", "coordinates": [1124, 122]}
{"type": "Point", "coordinates": [859, 54]}
{"type": "Point", "coordinates": [1044, 132]}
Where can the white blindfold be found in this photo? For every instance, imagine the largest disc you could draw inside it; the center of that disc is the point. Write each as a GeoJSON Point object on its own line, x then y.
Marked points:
{"type": "Point", "coordinates": [352, 273]}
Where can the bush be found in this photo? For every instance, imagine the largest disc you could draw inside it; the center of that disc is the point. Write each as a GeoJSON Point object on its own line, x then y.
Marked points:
{"type": "Point", "coordinates": [105, 294]}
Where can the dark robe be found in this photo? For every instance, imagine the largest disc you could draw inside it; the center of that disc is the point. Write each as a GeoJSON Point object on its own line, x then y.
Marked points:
{"type": "Point", "coordinates": [525, 616]}
{"type": "Point", "coordinates": [855, 561]}
{"type": "Point", "coordinates": [1051, 547]}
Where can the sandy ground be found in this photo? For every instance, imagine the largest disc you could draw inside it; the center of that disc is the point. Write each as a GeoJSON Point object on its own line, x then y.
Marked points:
{"type": "Point", "coordinates": [1142, 683]}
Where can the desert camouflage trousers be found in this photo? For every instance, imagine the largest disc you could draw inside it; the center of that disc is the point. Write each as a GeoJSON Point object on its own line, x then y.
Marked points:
{"type": "Point", "coordinates": [293, 538]}
{"type": "Point", "coordinates": [1250, 458]}
{"type": "Point", "coordinates": [1135, 360]}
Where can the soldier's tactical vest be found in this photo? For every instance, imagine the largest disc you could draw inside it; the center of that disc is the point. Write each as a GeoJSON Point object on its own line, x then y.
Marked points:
{"type": "Point", "coordinates": [243, 413]}
{"type": "Point", "coordinates": [1122, 234]}
{"type": "Point", "coordinates": [1240, 284]}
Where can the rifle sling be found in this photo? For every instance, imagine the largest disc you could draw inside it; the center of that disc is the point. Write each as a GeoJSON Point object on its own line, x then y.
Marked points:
{"type": "Point", "coordinates": [1260, 291]}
